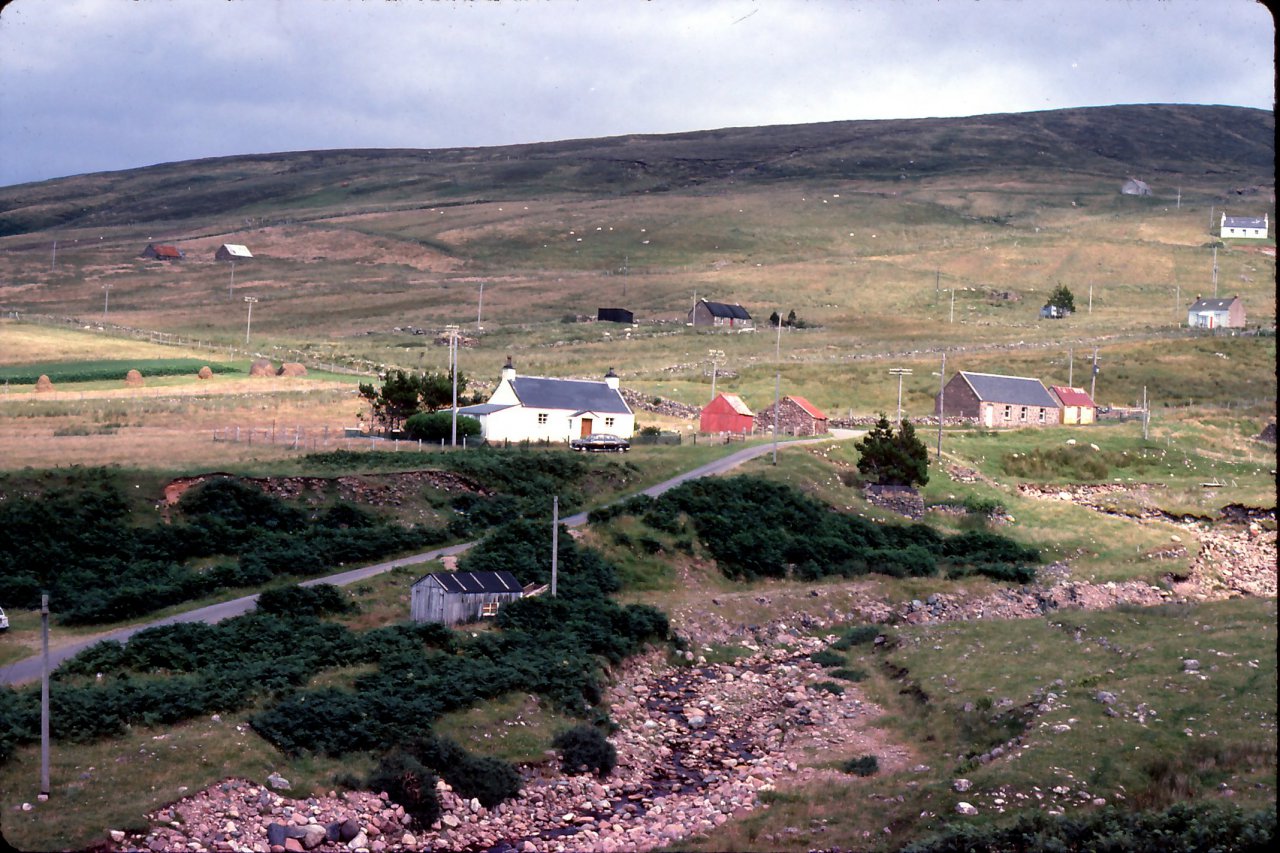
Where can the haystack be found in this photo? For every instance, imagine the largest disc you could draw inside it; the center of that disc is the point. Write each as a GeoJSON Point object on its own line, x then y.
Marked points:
{"type": "Point", "coordinates": [205, 373]}
{"type": "Point", "coordinates": [292, 368]}
{"type": "Point", "coordinates": [133, 378]}
{"type": "Point", "coordinates": [43, 384]}
{"type": "Point", "coordinates": [262, 367]}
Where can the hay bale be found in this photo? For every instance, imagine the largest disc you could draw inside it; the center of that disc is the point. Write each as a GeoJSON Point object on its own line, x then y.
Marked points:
{"type": "Point", "coordinates": [43, 384]}
{"type": "Point", "coordinates": [133, 378]}
{"type": "Point", "coordinates": [262, 367]}
{"type": "Point", "coordinates": [292, 368]}
{"type": "Point", "coordinates": [205, 373]}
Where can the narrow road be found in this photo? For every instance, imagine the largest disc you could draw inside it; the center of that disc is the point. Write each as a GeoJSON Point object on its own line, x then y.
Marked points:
{"type": "Point", "coordinates": [29, 669]}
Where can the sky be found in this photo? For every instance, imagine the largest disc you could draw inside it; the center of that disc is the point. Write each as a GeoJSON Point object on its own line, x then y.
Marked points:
{"type": "Point", "coordinates": [102, 85]}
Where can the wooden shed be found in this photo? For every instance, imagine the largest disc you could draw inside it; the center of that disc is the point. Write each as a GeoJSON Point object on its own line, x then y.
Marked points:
{"type": "Point", "coordinates": [1077, 406]}
{"type": "Point", "coordinates": [456, 597]}
{"type": "Point", "coordinates": [727, 413]}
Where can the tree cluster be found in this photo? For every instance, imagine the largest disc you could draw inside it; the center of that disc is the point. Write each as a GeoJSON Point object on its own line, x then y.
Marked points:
{"type": "Point", "coordinates": [790, 321]}
{"type": "Point", "coordinates": [402, 395]}
{"type": "Point", "coordinates": [1062, 299]}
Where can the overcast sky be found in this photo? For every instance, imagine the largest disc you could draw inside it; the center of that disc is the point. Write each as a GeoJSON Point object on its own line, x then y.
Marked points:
{"type": "Point", "coordinates": [97, 85]}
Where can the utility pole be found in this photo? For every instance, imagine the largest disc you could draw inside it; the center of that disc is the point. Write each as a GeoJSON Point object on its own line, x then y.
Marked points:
{"type": "Point", "coordinates": [715, 355]}
{"type": "Point", "coordinates": [900, 372]}
{"type": "Point", "coordinates": [232, 286]}
{"type": "Point", "coordinates": [1071, 366]}
{"type": "Point", "coordinates": [44, 697]}
{"type": "Point", "coordinates": [555, 540]}
{"type": "Point", "coordinates": [942, 403]}
{"type": "Point", "coordinates": [1090, 297]}
{"type": "Point", "coordinates": [106, 298]}
{"type": "Point", "coordinates": [1179, 198]}
{"type": "Point", "coordinates": [53, 262]}
{"type": "Point", "coordinates": [250, 301]}
{"type": "Point", "coordinates": [453, 367]}
{"type": "Point", "coordinates": [953, 305]}
{"type": "Point", "coordinates": [777, 389]}
{"type": "Point", "coordinates": [1146, 414]}
{"type": "Point", "coordinates": [1093, 380]}
{"type": "Point", "coordinates": [937, 284]}
{"type": "Point", "coordinates": [480, 306]}
{"type": "Point", "coordinates": [1215, 272]}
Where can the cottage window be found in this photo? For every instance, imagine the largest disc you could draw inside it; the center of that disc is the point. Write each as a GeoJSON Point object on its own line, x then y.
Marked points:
{"type": "Point", "coordinates": [608, 422]}
{"type": "Point", "coordinates": [1008, 413]}
{"type": "Point", "coordinates": [489, 608]}
{"type": "Point", "coordinates": [1022, 416]}
{"type": "Point", "coordinates": [1042, 416]}
{"type": "Point", "coordinates": [542, 418]}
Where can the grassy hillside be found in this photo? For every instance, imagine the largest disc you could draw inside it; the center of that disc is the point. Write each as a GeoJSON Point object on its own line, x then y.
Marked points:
{"type": "Point", "coordinates": [889, 239]}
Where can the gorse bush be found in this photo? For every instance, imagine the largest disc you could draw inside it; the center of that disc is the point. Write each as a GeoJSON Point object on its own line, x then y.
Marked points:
{"type": "Point", "coordinates": [408, 783]}
{"type": "Point", "coordinates": [100, 560]}
{"type": "Point", "coordinates": [1183, 828]}
{"type": "Point", "coordinates": [757, 528]}
{"type": "Point", "coordinates": [585, 749]}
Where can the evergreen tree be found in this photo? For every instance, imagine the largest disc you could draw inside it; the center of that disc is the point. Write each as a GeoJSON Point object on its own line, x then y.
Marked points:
{"type": "Point", "coordinates": [893, 459]}
{"type": "Point", "coordinates": [774, 319]}
{"type": "Point", "coordinates": [791, 318]}
{"type": "Point", "coordinates": [1062, 299]}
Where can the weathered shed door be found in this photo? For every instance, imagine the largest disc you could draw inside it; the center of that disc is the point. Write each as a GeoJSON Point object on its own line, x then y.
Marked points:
{"type": "Point", "coordinates": [586, 427]}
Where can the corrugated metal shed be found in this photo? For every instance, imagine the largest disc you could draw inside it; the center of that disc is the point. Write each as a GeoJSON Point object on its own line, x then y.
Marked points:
{"type": "Point", "coordinates": [455, 597]}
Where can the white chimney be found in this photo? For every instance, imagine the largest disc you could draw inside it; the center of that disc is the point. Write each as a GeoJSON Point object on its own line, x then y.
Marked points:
{"type": "Point", "coordinates": [611, 379]}
{"type": "Point", "coordinates": [509, 371]}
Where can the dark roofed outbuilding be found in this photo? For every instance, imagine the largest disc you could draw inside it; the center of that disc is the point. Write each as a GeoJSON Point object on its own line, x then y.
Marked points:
{"type": "Point", "coordinates": [455, 597]}
{"type": "Point", "coordinates": [706, 313]}
{"type": "Point", "coordinates": [994, 399]}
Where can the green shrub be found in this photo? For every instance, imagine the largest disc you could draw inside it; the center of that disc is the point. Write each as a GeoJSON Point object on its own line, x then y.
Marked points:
{"type": "Point", "coordinates": [859, 635]}
{"type": "Point", "coordinates": [866, 765]}
{"type": "Point", "coordinates": [489, 780]}
{"type": "Point", "coordinates": [408, 783]}
{"type": "Point", "coordinates": [317, 600]}
{"type": "Point", "coordinates": [849, 674]}
{"type": "Point", "coordinates": [585, 749]}
{"type": "Point", "coordinates": [439, 426]}
{"type": "Point", "coordinates": [826, 657]}
{"type": "Point", "coordinates": [829, 687]}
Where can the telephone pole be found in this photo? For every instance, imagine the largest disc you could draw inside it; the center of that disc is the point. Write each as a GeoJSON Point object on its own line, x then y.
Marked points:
{"type": "Point", "coordinates": [900, 372]}
{"type": "Point", "coordinates": [555, 540]}
{"type": "Point", "coordinates": [942, 405]}
{"type": "Point", "coordinates": [248, 324]}
{"type": "Point", "coordinates": [715, 355]}
{"type": "Point", "coordinates": [44, 698]}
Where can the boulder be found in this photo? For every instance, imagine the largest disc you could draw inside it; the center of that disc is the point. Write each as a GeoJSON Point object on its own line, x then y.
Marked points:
{"type": "Point", "coordinates": [262, 367]}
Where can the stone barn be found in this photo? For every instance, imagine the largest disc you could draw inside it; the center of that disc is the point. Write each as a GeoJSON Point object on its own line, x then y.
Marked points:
{"type": "Point", "coordinates": [995, 400]}
{"type": "Point", "coordinates": [797, 416]}
{"type": "Point", "coordinates": [727, 413]}
{"type": "Point", "coordinates": [456, 597]}
{"type": "Point", "coordinates": [162, 253]}
{"type": "Point", "coordinates": [720, 314]}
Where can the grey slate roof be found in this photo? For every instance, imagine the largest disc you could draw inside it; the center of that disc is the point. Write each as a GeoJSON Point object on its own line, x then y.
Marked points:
{"type": "Point", "coordinates": [482, 408]}
{"type": "Point", "coordinates": [722, 309]}
{"type": "Point", "coordinates": [473, 582]}
{"type": "Point", "coordinates": [1244, 222]}
{"type": "Point", "coordinates": [1016, 390]}
{"type": "Point", "coordinates": [1213, 304]}
{"type": "Point", "coordinates": [576, 395]}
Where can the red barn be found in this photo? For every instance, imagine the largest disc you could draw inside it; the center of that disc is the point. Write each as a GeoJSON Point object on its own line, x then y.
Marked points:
{"type": "Point", "coordinates": [726, 413]}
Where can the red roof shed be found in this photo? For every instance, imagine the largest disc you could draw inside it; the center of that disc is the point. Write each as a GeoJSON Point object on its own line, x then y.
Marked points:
{"type": "Point", "coordinates": [726, 413]}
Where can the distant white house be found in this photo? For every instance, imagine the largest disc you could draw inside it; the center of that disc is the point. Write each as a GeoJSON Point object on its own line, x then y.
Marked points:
{"type": "Point", "coordinates": [1215, 313]}
{"type": "Point", "coordinates": [536, 408]}
{"type": "Point", "coordinates": [232, 252]}
{"type": "Point", "coordinates": [1244, 227]}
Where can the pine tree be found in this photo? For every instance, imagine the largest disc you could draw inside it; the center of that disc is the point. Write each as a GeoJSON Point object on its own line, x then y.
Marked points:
{"type": "Point", "coordinates": [1062, 299]}
{"type": "Point", "coordinates": [891, 459]}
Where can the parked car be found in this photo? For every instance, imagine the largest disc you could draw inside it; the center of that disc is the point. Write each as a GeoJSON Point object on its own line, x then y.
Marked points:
{"type": "Point", "coordinates": [600, 441]}
{"type": "Point", "coordinates": [4, 620]}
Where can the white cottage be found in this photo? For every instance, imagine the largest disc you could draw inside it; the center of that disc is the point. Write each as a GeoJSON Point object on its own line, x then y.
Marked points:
{"type": "Point", "coordinates": [1244, 227]}
{"type": "Point", "coordinates": [535, 408]}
